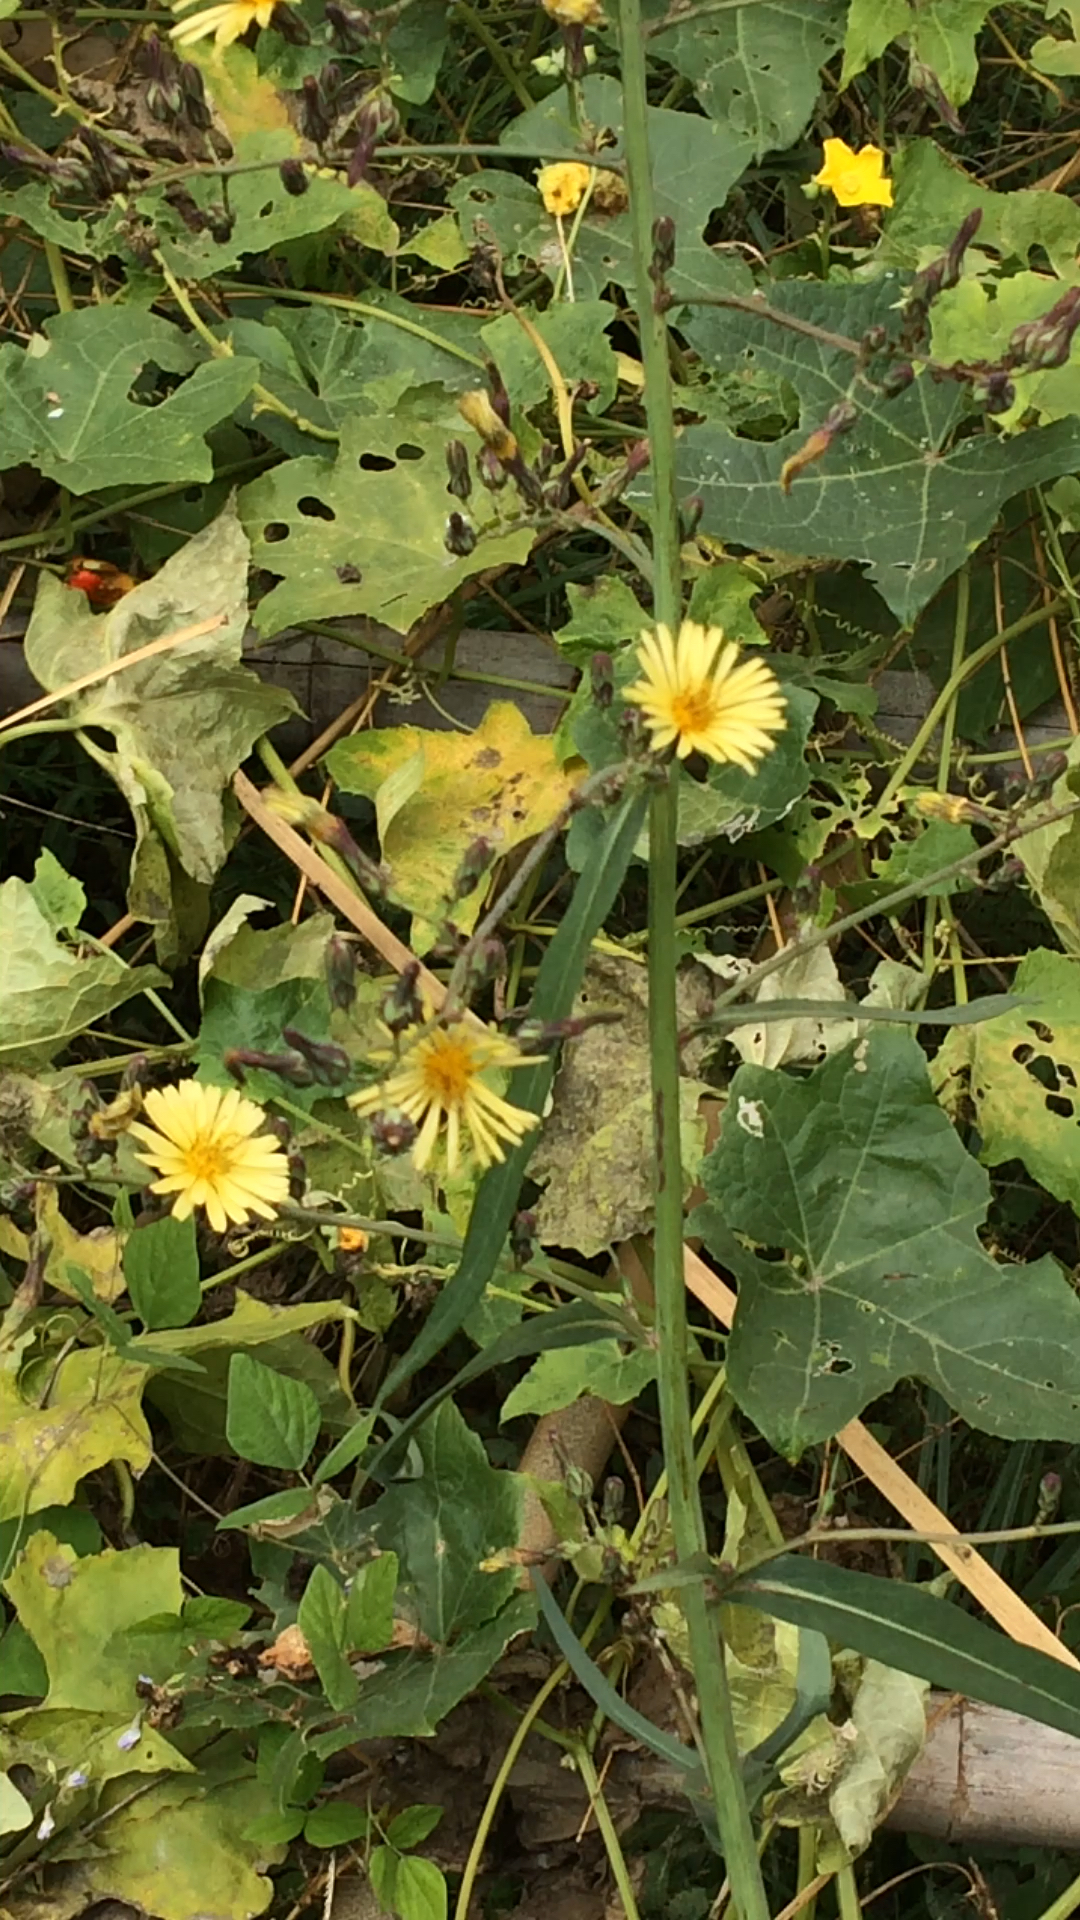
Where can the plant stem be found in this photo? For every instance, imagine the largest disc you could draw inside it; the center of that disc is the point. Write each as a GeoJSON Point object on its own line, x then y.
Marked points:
{"type": "Point", "coordinates": [720, 1747]}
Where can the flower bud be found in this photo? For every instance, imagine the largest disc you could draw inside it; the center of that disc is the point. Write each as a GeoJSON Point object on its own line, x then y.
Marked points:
{"type": "Point", "coordinates": [523, 1238]}
{"type": "Point", "coordinates": [340, 962]}
{"type": "Point", "coordinates": [297, 1176]}
{"type": "Point", "coordinates": [330, 1064]}
{"type": "Point", "coordinates": [690, 514]}
{"type": "Point", "coordinates": [663, 254]}
{"type": "Point", "coordinates": [459, 536]}
{"type": "Point", "coordinates": [613, 1500]}
{"type": "Point", "coordinates": [350, 27]}
{"type": "Point", "coordinates": [196, 111]}
{"type": "Point", "coordinates": [477, 860]}
{"type": "Point", "coordinates": [873, 340]}
{"type": "Point", "coordinates": [294, 177]}
{"type": "Point", "coordinates": [290, 26]}
{"type": "Point", "coordinates": [392, 1131]}
{"type": "Point", "coordinates": [476, 407]}
{"type": "Point", "coordinates": [897, 378]}
{"type": "Point", "coordinates": [459, 482]}
{"type": "Point", "coordinates": [402, 1006]}
{"type": "Point", "coordinates": [493, 474]}
{"type": "Point", "coordinates": [993, 390]}
{"type": "Point", "coordinates": [1049, 1498]}
{"type": "Point", "coordinates": [602, 679]}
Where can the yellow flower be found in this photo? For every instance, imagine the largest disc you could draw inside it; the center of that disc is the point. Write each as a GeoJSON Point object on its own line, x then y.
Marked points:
{"type": "Point", "coordinates": [206, 1146]}
{"type": "Point", "coordinates": [574, 13]}
{"type": "Point", "coordinates": [226, 22]}
{"type": "Point", "coordinates": [700, 697]}
{"type": "Point", "coordinates": [476, 408]}
{"type": "Point", "coordinates": [562, 185]}
{"type": "Point", "coordinates": [951, 807]}
{"type": "Point", "coordinates": [352, 1240]}
{"type": "Point", "coordinates": [856, 179]}
{"type": "Point", "coordinates": [439, 1076]}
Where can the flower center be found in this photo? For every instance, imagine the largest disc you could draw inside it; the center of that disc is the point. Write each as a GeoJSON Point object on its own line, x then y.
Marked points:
{"type": "Point", "coordinates": [694, 710]}
{"type": "Point", "coordinates": [449, 1071]}
{"type": "Point", "coordinates": [206, 1160]}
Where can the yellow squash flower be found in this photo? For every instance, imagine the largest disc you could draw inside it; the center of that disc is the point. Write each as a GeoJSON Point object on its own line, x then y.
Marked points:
{"type": "Point", "coordinates": [206, 1145]}
{"type": "Point", "coordinates": [225, 22]}
{"type": "Point", "coordinates": [855, 179]}
{"type": "Point", "coordinates": [574, 13]}
{"type": "Point", "coordinates": [476, 408]}
{"type": "Point", "coordinates": [699, 696]}
{"type": "Point", "coordinates": [440, 1076]}
{"type": "Point", "coordinates": [562, 186]}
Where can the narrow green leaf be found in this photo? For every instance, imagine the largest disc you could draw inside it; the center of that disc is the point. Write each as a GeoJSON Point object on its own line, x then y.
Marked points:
{"type": "Point", "coordinates": [908, 1628]}
{"type": "Point", "coordinates": [369, 1615]}
{"type": "Point", "coordinates": [161, 1267]}
{"type": "Point", "coordinates": [321, 1619]}
{"type": "Point", "coordinates": [553, 997]}
{"type": "Point", "coordinates": [760, 1012]}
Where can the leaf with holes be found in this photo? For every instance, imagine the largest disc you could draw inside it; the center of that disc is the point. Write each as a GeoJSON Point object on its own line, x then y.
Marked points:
{"type": "Point", "coordinates": [940, 35]}
{"type": "Point", "coordinates": [69, 408]}
{"type": "Point", "coordinates": [854, 1182]}
{"type": "Point", "coordinates": [1022, 1073]}
{"type": "Point", "coordinates": [898, 491]}
{"type": "Point", "coordinates": [365, 533]}
{"type": "Point", "coordinates": [755, 68]}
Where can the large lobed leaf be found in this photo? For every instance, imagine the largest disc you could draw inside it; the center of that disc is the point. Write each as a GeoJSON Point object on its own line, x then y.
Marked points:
{"type": "Point", "coordinates": [899, 491]}
{"type": "Point", "coordinates": [856, 1185]}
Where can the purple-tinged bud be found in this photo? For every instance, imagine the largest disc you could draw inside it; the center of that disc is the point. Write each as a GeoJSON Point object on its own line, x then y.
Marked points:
{"type": "Point", "coordinates": [290, 26]}
{"type": "Point", "coordinates": [294, 177]}
{"type": "Point", "coordinates": [475, 862]}
{"type": "Point", "coordinates": [459, 482]}
{"type": "Point", "coordinates": [392, 1131]}
{"type": "Point", "coordinates": [897, 378]}
{"type": "Point", "coordinates": [330, 1064]}
{"type": "Point", "coordinates": [402, 1006]}
{"type": "Point", "coordinates": [602, 679]}
{"type": "Point", "coordinates": [523, 1238]}
{"type": "Point", "coordinates": [459, 535]}
{"type": "Point", "coordinates": [350, 27]}
{"type": "Point", "coordinates": [340, 962]}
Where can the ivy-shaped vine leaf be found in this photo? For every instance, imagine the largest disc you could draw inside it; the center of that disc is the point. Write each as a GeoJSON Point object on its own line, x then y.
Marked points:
{"type": "Point", "coordinates": [1022, 1072]}
{"type": "Point", "coordinates": [68, 407]}
{"type": "Point", "coordinates": [855, 1184]}
{"type": "Point", "coordinates": [695, 163]}
{"type": "Point", "coordinates": [49, 991]}
{"type": "Point", "coordinates": [899, 491]}
{"type": "Point", "coordinates": [365, 533]}
{"type": "Point", "coordinates": [940, 35]}
{"type": "Point", "coordinates": [755, 68]}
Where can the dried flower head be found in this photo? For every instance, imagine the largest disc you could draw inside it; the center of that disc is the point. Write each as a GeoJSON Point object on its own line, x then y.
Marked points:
{"type": "Point", "coordinates": [699, 695]}
{"type": "Point", "coordinates": [855, 179]}
{"type": "Point", "coordinates": [226, 22]}
{"type": "Point", "coordinates": [206, 1145]}
{"type": "Point", "coordinates": [440, 1076]}
{"type": "Point", "coordinates": [562, 185]}
{"type": "Point", "coordinates": [476, 408]}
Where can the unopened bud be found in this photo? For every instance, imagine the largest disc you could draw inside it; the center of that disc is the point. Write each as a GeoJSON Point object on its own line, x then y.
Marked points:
{"type": "Point", "coordinates": [1049, 1498]}
{"type": "Point", "coordinates": [340, 962]}
{"type": "Point", "coordinates": [613, 1500]}
{"type": "Point", "coordinates": [1010, 874]}
{"type": "Point", "coordinates": [290, 26]}
{"type": "Point", "coordinates": [402, 1007]}
{"type": "Point", "coordinates": [196, 110]}
{"type": "Point", "coordinates": [476, 407]}
{"type": "Point", "coordinates": [602, 679]}
{"type": "Point", "coordinates": [290, 1067]}
{"type": "Point", "coordinates": [459, 536]}
{"type": "Point", "coordinates": [897, 379]}
{"type": "Point", "coordinates": [329, 1063]}
{"type": "Point", "coordinates": [483, 964]}
{"type": "Point", "coordinates": [993, 390]}
{"type": "Point", "coordinates": [459, 482]}
{"type": "Point", "coordinates": [523, 1238]}
{"type": "Point", "coordinates": [690, 513]}
{"type": "Point", "coordinates": [841, 418]}
{"type": "Point", "coordinates": [493, 474]}
{"type": "Point", "coordinates": [663, 254]}
{"type": "Point", "coordinates": [873, 340]}
{"type": "Point", "coordinates": [297, 1175]}
{"type": "Point", "coordinates": [1042, 344]}
{"type": "Point", "coordinates": [477, 860]}
{"type": "Point", "coordinates": [294, 177]}
{"type": "Point", "coordinates": [350, 27]}
{"type": "Point", "coordinates": [392, 1131]}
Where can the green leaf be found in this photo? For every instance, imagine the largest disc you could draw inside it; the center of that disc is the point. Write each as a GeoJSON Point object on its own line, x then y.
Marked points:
{"type": "Point", "coordinates": [76, 1611]}
{"type": "Point", "coordinates": [182, 722]}
{"type": "Point", "coordinates": [21, 1664]}
{"type": "Point", "coordinates": [15, 1811]}
{"type": "Point", "coordinates": [321, 1619]}
{"type": "Point", "coordinates": [575, 333]}
{"type": "Point", "coordinates": [49, 993]}
{"type": "Point", "coordinates": [1051, 857]}
{"type": "Point", "coordinates": [335, 1825]}
{"type": "Point", "coordinates": [855, 1182]}
{"type": "Point", "coordinates": [732, 802]}
{"type": "Point", "coordinates": [62, 899]}
{"type": "Point", "coordinates": [236, 1016]}
{"type": "Point", "coordinates": [378, 510]}
{"type": "Point", "coordinates": [603, 618]}
{"type": "Point", "coordinates": [553, 996]}
{"type": "Point", "coordinates": [459, 1513]}
{"type": "Point", "coordinates": [161, 1268]}
{"type": "Point", "coordinates": [560, 1377]}
{"type": "Point", "coordinates": [755, 68]}
{"type": "Point", "coordinates": [411, 1693]}
{"type": "Point", "coordinates": [411, 1887]}
{"type": "Point", "coordinates": [1022, 1072]}
{"type": "Point", "coordinates": [408, 1829]}
{"type": "Point", "coordinates": [895, 492]}
{"type": "Point", "coordinates": [68, 408]}
{"type": "Point", "coordinates": [369, 1618]}
{"type": "Point", "coordinates": [940, 34]}
{"type": "Point", "coordinates": [271, 1419]}
{"type": "Point", "coordinates": [907, 1628]}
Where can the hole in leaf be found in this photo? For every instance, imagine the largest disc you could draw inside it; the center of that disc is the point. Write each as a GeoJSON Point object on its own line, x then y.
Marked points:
{"type": "Point", "coordinates": [1045, 1034]}
{"type": "Point", "coordinates": [375, 463]}
{"type": "Point", "coordinates": [1059, 1104]}
{"type": "Point", "coordinates": [265, 212]}
{"type": "Point", "coordinates": [315, 509]}
{"type": "Point", "coordinates": [275, 530]}
{"type": "Point", "coordinates": [1022, 1054]}
{"type": "Point", "coordinates": [408, 452]}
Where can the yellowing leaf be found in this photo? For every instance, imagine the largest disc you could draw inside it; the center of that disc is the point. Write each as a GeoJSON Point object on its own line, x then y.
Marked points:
{"type": "Point", "coordinates": [435, 793]}
{"type": "Point", "coordinates": [97, 1252]}
{"type": "Point", "coordinates": [93, 1415]}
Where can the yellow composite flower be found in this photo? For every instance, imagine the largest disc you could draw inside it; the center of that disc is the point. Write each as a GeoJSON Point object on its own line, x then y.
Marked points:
{"type": "Point", "coordinates": [855, 179]}
{"type": "Point", "coordinates": [206, 1145]}
{"type": "Point", "coordinates": [440, 1076]}
{"type": "Point", "coordinates": [562, 185]}
{"type": "Point", "coordinates": [700, 696]}
{"type": "Point", "coordinates": [226, 22]}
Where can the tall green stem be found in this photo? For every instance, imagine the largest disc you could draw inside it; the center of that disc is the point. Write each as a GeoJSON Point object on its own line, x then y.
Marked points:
{"type": "Point", "coordinates": [688, 1525]}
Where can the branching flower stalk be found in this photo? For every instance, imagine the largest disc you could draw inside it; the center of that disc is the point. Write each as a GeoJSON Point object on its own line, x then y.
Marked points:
{"type": "Point", "coordinates": [719, 1743]}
